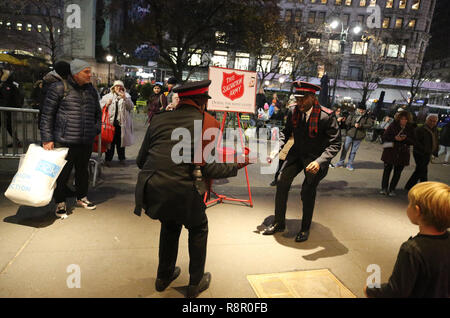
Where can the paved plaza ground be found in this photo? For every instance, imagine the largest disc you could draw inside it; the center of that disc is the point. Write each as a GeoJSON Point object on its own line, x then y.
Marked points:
{"type": "Point", "coordinates": [117, 252]}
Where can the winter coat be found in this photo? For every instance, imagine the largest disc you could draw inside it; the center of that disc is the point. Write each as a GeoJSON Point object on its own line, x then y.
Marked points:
{"type": "Point", "coordinates": [165, 189]}
{"type": "Point", "coordinates": [156, 104]}
{"type": "Point", "coordinates": [365, 123]}
{"type": "Point", "coordinates": [444, 138]}
{"type": "Point", "coordinates": [260, 100]}
{"type": "Point", "coordinates": [124, 118]}
{"type": "Point", "coordinates": [10, 94]}
{"type": "Point", "coordinates": [398, 155]}
{"type": "Point", "coordinates": [423, 141]}
{"type": "Point", "coordinates": [73, 119]}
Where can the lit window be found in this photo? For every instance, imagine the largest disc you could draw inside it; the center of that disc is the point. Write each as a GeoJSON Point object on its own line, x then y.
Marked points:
{"type": "Point", "coordinates": [324, 1]}
{"type": "Point", "coordinates": [402, 51]}
{"type": "Point", "coordinates": [242, 61]}
{"type": "Point", "coordinates": [288, 15]}
{"type": "Point", "coordinates": [389, 3]}
{"type": "Point", "coordinates": [338, 3]}
{"type": "Point", "coordinates": [29, 27]}
{"type": "Point", "coordinates": [286, 66]}
{"type": "Point", "coordinates": [399, 23]}
{"type": "Point", "coordinates": [359, 48]}
{"type": "Point", "coordinates": [315, 43]}
{"type": "Point", "coordinates": [372, 3]}
{"type": "Point", "coordinates": [348, 3]}
{"type": "Point", "coordinates": [402, 4]}
{"type": "Point", "coordinates": [220, 59]}
{"type": "Point", "coordinates": [220, 37]}
{"type": "Point", "coordinates": [8, 25]}
{"type": "Point", "coordinates": [362, 3]}
{"type": "Point", "coordinates": [313, 1]}
{"type": "Point", "coordinates": [19, 26]}
{"type": "Point", "coordinates": [196, 58]}
{"type": "Point", "coordinates": [264, 64]}
{"type": "Point", "coordinates": [386, 23]}
{"type": "Point", "coordinates": [412, 24]}
{"type": "Point", "coordinates": [392, 50]}
{"type": "Point", "coordinates": [416, 4]}
{"type": "Point", "coordinates": [334, 46]}
{"type": "Point", "coordinates": [39, 28]}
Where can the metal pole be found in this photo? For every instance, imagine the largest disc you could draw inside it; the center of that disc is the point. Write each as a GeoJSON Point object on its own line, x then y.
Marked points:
{"type": "Point", "coordinates": [109, 74]}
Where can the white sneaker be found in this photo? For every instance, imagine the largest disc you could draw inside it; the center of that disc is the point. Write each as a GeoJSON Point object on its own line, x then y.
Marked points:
{"type": "Point", "coordinates": [86, 204]}
{"type": "Point", "coordinates": [61, 211]}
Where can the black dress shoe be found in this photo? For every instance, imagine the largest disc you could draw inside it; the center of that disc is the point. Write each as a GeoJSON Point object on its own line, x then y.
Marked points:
{"type": "Point", "coordinates": [302, 236]}
{"type": "Point", "coordinates": [194, 290]}
{"type": "Point", "coordinates": [273, 183]}
{"type": "Point", "coordinates": [162, 284]}
{"type": "Point", "coordinates": [274, 228]}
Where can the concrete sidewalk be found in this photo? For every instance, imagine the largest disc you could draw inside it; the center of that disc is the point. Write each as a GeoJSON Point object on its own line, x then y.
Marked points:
{"type": "Point", "coordinates": [117, 252]}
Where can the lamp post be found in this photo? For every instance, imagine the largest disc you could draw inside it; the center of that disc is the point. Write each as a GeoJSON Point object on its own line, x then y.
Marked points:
{"type": "Point", "coordinates": [342, 41]}
{"type": "Point", "coordinates": [109, 59]}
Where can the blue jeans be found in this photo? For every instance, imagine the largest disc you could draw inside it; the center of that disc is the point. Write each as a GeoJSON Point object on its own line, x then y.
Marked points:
{"type": "Point", "coordinates": [355, 146]}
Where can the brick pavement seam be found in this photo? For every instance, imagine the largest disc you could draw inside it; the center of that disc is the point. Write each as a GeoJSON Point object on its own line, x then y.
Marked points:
{"type": "Point", "coordinates": [4, 270]}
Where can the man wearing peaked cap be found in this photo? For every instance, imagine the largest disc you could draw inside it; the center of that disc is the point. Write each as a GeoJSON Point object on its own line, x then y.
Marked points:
{"type": "Point", "coordinates": [172, 191]}
{"type": "Point", "coordinates": [317, 140]}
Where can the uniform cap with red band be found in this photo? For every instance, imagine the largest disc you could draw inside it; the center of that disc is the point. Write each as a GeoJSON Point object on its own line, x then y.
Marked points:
{"type": "Point", "coordinates": [302, 88]}
{"type": "Point", "coordinates": [193, 89]}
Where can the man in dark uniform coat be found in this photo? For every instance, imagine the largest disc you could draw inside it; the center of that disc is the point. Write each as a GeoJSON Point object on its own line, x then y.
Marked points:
{"type": "Point", "coordinates": [317, 140]}
{"type": "Point", "coordinates": [171, 192]}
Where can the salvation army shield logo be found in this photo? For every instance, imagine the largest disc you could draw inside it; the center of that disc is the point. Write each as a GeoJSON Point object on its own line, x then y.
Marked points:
{"type": "Point", "coordinates": [233, 85]}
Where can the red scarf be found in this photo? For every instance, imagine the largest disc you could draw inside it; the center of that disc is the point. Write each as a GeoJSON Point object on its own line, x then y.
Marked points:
{"type": "Point", "coordinates": [313, 119]}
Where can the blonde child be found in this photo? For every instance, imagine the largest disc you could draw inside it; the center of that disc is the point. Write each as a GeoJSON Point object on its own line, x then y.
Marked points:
{"type": "Point", "coordinates": [422, 269]}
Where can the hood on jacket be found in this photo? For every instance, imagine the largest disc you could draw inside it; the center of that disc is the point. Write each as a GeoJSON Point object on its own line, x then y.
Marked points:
{"type": "Point", "coordinates": [52, 77]}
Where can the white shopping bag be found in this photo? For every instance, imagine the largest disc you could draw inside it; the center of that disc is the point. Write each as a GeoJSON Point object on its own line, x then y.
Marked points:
{"type": "Point", "coordinates": [35, 181]}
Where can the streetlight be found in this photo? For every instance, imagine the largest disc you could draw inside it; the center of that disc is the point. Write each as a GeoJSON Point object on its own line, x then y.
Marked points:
{"type": "Point", "coordinates": [343, 40]}
{"type": "Point", "coordinates": [109, 59]}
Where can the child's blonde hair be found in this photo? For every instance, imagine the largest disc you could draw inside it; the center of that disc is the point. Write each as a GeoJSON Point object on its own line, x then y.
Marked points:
{"type": "Point", "coordinates": [433, 199]}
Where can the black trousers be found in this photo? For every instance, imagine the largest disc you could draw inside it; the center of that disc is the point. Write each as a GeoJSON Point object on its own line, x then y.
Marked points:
{"type": "Point", "coordinates": [168, 250]}
{"type": "Point", "coordinates": [420, 174]}
{"type": "Point", "coordinates": [117, 142]}
{"type": "Point", "coordinates": [77, 157]}
{"type": "Point", "coordinates": [308, 193]}
{"type": "Point", "coordinates": [387, 174]}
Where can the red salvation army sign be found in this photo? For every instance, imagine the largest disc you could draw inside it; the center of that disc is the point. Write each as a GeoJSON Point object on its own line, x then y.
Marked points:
{"type": "Point", "coordinates": [232, 90]}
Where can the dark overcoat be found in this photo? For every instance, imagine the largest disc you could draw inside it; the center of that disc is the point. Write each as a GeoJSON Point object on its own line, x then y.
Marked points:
{"type": "Point", "coordinates": [165, 188]}
{"type": "Point", "coordinates": [322, 148]}
{"type": "Point", "coordinates": [399, 155]}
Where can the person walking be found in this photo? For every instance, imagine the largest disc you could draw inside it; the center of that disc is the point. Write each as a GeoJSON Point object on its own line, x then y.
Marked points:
{"type": "Point", "coordinates": [357, 125]}
{"type": "Point", "coordinates": [397, 139]}
{"type": "Point", "coordinates": [317, 139]}
{"type": "Point", "coordinates": [426, 144]}
{"type": "Point", "coordinates": [10, 97]}
{"type": "Point", "coordinates": [119, 106]}
{"type": "Point", "coordinates": [72, 121]}
{"type": "Point", "coordinates": [444, 141]}
{"type": "Point", "coordinates": [171, 189]}
{"type": "Point", "coordinates": [157, 102]}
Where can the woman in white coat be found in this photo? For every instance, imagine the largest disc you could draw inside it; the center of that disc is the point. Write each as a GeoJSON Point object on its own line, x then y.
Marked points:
{"type": "Point", "coordinates": [119, 108]}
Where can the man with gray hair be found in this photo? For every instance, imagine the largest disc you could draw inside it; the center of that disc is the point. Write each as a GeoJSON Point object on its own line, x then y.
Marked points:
{"type": "Point", "coordinates": [425, 144]}
{"type": "Point", "coordinates": [72, 119]}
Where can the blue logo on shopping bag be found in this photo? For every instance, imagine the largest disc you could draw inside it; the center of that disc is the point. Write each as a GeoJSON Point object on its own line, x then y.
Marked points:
{"type": "Point", "coordinates": [48, 168]}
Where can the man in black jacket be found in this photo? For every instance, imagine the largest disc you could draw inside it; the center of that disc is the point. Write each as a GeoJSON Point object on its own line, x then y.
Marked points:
{"type": "Point", "coordinates": [10, 97]}
{"type": "Point", "coordinates": [171, 190]}
{"type": "Point", "coordinates": [72, 120]}
{"type": "Point", "coordinates": [425, 144]}
{"type": "Point", "coordinates": [317, 139]}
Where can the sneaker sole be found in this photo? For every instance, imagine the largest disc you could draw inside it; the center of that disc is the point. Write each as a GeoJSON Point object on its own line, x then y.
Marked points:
{"type": "Point", "coordinates": [61, 216]}
{"type": "Point", "coordinates": [86, 207]}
